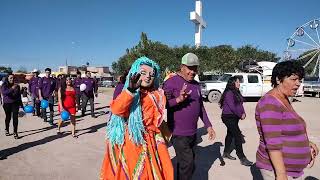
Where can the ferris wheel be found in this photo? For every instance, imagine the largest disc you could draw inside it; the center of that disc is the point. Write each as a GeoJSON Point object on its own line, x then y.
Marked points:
{"type": "Point", "coordinates": [304, 44]}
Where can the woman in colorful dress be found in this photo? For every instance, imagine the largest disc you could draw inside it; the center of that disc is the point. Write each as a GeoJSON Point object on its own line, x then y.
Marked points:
{"type": "Point", "coordinates": [135, 148]}
{"type": "Point", "coordinates": [67, 102]}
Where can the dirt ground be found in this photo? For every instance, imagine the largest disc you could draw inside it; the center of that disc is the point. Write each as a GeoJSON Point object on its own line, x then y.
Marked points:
{"type": "Point", "coordinates": [42, 154]}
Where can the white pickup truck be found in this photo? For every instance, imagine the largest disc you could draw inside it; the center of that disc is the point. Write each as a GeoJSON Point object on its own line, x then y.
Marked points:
{"type": "Point", "coordinates": [251, 85]}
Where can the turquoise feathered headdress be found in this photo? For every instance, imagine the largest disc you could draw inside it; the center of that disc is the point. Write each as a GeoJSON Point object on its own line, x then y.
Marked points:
{"type": "Point", "coordinates": [116, 127]}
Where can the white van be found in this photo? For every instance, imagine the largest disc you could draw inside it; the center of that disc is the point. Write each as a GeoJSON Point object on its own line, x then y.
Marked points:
{"type": "Point", "coordinates": [251, 85]}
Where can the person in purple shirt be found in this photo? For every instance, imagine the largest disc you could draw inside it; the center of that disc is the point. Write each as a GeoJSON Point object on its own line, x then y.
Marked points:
{"type": "Point", "coordinates": [120, 85]}
{"type": "Point", "coordinates": [89, 93]}
{"type": "Point", "coordinates": [1, 82]}
{"type": "Point", "coordinates": [231, 103]}
{"type": "Point", "coordinates": [47, 86]}
{"type": "Point", "coordinates": [11, 103]}
{"type": "Point", "coordinates": [76, 84]}
{"type": "Point", "coordinates": [34, 91]}
{"type": "Point", "coordinates": [184, 108]}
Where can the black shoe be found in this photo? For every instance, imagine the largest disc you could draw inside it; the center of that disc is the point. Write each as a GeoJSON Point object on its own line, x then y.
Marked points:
{"type": "Point", "coordinates": [228, 156]}
{"type": "Point", "coordinates": [74, 136]}
{"type": "Point", "coordinates": [7, 133]}
{"type": "Point", "coordinates": [15, 135]}
{"type": "Point", "coordinates": [51, 123]}
{"type": "Point", "coordinates": [244, 161]}
{"type": "Point", "coordinates": [93, 116]}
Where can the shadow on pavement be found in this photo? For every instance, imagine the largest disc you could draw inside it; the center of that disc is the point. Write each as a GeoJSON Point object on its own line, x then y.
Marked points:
{"type": "Point", "coordinates": [13, 150]}
{"type": "Point", "coordinates": [204, 157]}
{"type": "Point", "coordinates": [102, 107]}
{"type": "Point", "coordinates": [311, 178]}
{"type": "Point", "coordinates": [91, 129]}
{"type": "Point", "coordinates": [36, 131]}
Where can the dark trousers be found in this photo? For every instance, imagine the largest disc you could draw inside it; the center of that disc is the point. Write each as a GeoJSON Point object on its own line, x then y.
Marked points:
{"type": "Point", "coordinates": [85, 100]}
{"type": "Point", "coordinates": [11, 110]}
{"type": "Point", "coordinates": [36, 105]}
{"type": "Point", "coordinates": [184, 147]}
{"type": "Point", "coordinates": [233, 133]}
{"type": "Point", "coordinates": [78, 99]}
{"type": "Point", "coordinates": [44, 111]}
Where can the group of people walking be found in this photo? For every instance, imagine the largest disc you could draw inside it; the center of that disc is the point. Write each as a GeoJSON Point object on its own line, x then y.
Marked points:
{"type": "Point", "coordinates": [137, 135]}
{"type": "Point", "coordinates": [64, 90]}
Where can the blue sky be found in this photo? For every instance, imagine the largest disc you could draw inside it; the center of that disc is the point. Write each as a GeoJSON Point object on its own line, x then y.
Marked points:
{"type": "Point", "coordinates": [41, 33]}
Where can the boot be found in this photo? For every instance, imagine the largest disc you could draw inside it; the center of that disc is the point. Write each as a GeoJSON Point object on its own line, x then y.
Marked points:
{"type": "Point", "coordinates": [51, 118]}
{"type": "Point", "coordinates": [15, 135]}
{"type": "Point", "coordinates": [7, 133]}
{"type": "Point", "coordinates": [93, 116]}
{"type": "Point", "coordinates": [228, 156]}
{"type": "Point", "coordinates": [38, 111]}
{"type": "Point", "coordinates": [244, 161]}
{"type": "Point", "coordinates": [44, 116]}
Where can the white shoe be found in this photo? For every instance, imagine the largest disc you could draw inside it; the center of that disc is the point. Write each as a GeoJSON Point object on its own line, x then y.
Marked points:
{"type": "Point", "coordinates": [79, 111]}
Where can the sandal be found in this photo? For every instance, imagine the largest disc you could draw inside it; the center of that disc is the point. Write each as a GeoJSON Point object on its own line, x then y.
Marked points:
{"type": "Point", "coordinates": [58, 132]}
{"type": "Point", "coordinates": [74, 136]}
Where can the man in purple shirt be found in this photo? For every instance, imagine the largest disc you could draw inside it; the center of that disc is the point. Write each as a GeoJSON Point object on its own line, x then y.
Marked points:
{"type": "Point", "coordinates": [34, 91]}
{"type": "Point", "coordinates": [47, 87]}
{"type": "Point", "coordinates": [184, 107]}
{"type": "Point", "coordinates": [76, 84]}
{"type": "Point", "coordinates": [89, 93]}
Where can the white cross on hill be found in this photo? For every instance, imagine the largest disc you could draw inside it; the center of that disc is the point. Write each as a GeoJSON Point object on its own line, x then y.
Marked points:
{"type": "Point", "coordinates": [196, 17]}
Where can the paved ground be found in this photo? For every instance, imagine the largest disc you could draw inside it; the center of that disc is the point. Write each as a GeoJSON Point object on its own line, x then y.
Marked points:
{"type": "Point", "coordinates": [42, 154]}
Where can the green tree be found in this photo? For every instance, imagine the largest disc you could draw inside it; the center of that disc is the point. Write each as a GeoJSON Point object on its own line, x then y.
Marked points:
{"type": "Point", "coordinates": [248, 52]}
{"type": "Point", "coordinates": [5, 69]}
{"type": "Point", "coordinates": [219, 59]}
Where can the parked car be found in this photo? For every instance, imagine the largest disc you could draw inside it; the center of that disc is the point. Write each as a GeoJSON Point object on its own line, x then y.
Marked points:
{"type": "Point", "coordinates": [107, 83]}
{"type": "Point", "coordinates": [311, 88]}
{"type": "Point", "coordinates": [251, 85]}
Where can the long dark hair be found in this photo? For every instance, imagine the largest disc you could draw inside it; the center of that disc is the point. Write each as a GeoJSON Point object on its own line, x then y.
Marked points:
{"type": "Point", "coordinates": [6, 81]}
{"type": "Point", "coordinates": [231, 86]}
{"type": "Point", "coordinates": [63, 87]}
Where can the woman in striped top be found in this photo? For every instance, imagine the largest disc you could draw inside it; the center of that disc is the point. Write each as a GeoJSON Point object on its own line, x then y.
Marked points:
{"type": "Point", "coordinates": [284, 149]}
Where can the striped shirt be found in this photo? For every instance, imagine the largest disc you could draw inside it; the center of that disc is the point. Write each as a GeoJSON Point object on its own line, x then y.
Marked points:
{"type": "Point", "coordinates": [284, 130]}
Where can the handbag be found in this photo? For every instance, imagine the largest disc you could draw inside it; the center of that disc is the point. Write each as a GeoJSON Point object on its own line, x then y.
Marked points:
{"type": "Point", "coordinates": [165, 131]}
